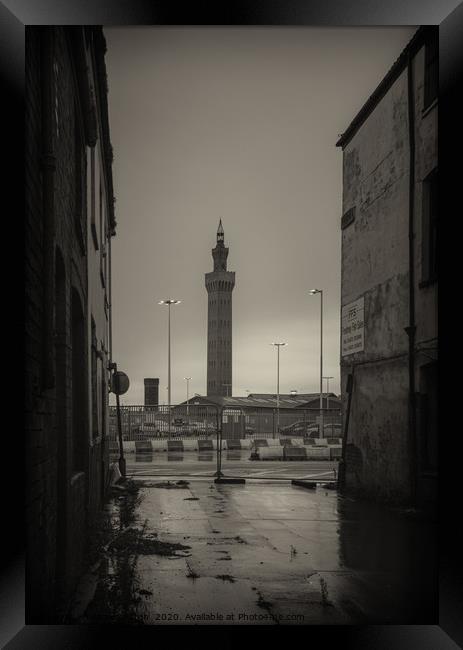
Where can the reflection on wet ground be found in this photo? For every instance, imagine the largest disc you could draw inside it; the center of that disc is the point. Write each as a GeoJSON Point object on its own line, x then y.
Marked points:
{"type": "Point", "coordinates": [206, 457]}
{"type": "Point", "coordinates": [233, 464]}
{"type": "Point", "coordinates": [264, 554]}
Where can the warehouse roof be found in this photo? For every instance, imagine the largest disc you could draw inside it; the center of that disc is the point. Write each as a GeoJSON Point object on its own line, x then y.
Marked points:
{"type": "Point", "coordinates": [265, 400]}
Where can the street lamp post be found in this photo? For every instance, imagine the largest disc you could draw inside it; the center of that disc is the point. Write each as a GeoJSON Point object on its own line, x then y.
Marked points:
{"type": "Point", "coordinates": [187, 395]}
{"type": "Point", "coordinates": [328, 391]}
{"type": "Point", "coordinates": [313, 292]}
{"type": "Point", "coordinates": [278, 345]}
{"type": "Point", "coordinates": [169, 302]}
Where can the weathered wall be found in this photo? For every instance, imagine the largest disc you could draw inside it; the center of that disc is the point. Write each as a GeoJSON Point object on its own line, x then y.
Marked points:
{"type": "Point", "coordinates": [98, 309]}
{"type": "Point", "coordinates": [426, 135]}
{"type": "Point", "coordinates": [40, 445]}
{"type": "Point", "coordinates": [426, 296]}
{"type": "Point", "coordinates": [58, 498]}
{"type": "Point", "coordinates": [380, 453]}
{"type": "Point", "coordinates": [375, 266]}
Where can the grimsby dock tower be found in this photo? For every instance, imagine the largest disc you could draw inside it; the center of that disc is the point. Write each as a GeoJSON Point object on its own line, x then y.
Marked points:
{"type": "Point", "coordinates": [219, 285]}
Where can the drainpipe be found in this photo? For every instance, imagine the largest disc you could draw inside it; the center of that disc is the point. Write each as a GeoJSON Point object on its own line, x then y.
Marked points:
{"type": "Point", "coordinates": [342, 464]}
{"type": "Point", "coordinates": [411, 328]}
{"type": "Point", "coordinates": [110, 306]}
{"type": "Point", "coordinates": [48, 166]}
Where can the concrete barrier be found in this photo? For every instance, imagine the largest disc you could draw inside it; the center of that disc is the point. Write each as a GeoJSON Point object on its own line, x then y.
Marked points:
{"type": "Point", "coordinates": [294, 453]}
{"type": "Point", "coordinates": [309, 442]}
{"type": "Point", "coordinates": [321, 453]}
{"type": "Point", "coordinates": [214, 444]}
{"type": "Point", "coordinates": [314, 447]}
{"type": "Point", "coordinates": [205, 445]}
{"type": "Point", "coordinates": [159, 445]}
{"type": "Point", "coordinates": [335, 452]}
{"type": "Point", "coordinates": [334, 441]}
{"type": "Point", "coordinates": [175, 445]}
{"type": "Point", "coordinates": [128, 446]}
{"type": "Point", "coordinates": [143, 446]}
{"type": "Point", "coordinates": [270, 453]}
{"type": "Point", "coordinates": [190, 445]}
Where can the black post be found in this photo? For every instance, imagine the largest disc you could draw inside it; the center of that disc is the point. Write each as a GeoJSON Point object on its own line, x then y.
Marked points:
{"type": "Point", "coordinates": [218, 473]}
{"type": "Point", "coordinates": [121, 449]}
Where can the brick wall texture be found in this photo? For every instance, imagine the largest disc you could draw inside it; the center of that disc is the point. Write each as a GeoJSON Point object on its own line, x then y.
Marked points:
{"type": "Point", "coordinates": [61, 504]}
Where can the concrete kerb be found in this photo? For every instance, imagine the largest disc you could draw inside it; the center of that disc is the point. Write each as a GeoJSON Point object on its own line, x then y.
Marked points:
{"type": "Point", "coordinates": [305, 484]}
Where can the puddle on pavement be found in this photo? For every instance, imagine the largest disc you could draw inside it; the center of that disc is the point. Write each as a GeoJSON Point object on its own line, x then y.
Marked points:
{"type": "Point", "coordinates": [361, 551]}
{"type": "Point", "coordinates": [144, 457]}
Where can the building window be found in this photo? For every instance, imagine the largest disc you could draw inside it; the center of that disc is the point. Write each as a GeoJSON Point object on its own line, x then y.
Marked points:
{"type": "Point", "coordinates": [429, 230]}
{"type": "Point", "coordinates": [431, 72]}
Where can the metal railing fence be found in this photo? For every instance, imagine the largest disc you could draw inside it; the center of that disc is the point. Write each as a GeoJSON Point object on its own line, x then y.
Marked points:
{"type": "Point", "coordinates": [199, 421]}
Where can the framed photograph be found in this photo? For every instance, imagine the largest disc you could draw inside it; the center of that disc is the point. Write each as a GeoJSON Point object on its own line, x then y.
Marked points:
{"type": "Point", "coordinates": [231, 322]}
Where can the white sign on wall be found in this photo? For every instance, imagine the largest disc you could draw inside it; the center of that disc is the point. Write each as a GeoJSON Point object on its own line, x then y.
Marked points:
{"type": "Point", "coordinates": [352, 327]}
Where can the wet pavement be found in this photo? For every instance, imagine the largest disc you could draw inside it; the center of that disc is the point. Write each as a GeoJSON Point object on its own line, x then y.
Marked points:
{"type": "Point", "coordinates": [234, 463]}
{"type": "Point", "coordinates": [195, 552]}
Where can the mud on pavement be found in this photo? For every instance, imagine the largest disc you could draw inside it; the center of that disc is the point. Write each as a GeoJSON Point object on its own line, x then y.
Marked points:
{"type": "Point", "coordinates": [110, 592]}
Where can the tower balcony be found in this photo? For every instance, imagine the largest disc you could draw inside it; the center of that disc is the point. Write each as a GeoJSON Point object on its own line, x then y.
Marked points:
{"type": "Point", "coordinates": [220, 281]}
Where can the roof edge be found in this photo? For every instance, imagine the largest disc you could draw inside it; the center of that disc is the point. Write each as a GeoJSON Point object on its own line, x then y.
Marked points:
{"type": "Point", "coordinates": [411, 48]}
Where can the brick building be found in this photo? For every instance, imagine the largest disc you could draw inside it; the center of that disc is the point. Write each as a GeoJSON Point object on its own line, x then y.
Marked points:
{"type": "Point", "coordinates": [68, 227]}
{"type": "Point", "coordinates": [389, 282]}
{"type": "Point", "coordinates": [151, 391]}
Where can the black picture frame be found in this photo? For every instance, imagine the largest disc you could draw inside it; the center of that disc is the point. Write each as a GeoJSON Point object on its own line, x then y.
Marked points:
{"type": "Point", "coordinates": [14, 15]}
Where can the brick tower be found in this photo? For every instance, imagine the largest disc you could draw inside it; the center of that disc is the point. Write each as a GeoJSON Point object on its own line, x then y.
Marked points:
{"type": "Point", "coordinates": [219, 285]}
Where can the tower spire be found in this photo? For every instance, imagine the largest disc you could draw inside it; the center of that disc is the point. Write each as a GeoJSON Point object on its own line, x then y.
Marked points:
{"type": "Point", "coordinates": [220, 235]}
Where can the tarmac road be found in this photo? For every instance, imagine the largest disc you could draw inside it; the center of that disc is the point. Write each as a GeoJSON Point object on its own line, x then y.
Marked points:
{"type": "Point", "coordinates": [234, 464]}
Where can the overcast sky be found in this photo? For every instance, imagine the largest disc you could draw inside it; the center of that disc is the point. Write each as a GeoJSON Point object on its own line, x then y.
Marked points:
{"type": "Point", "coordinates": [238, 124]}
